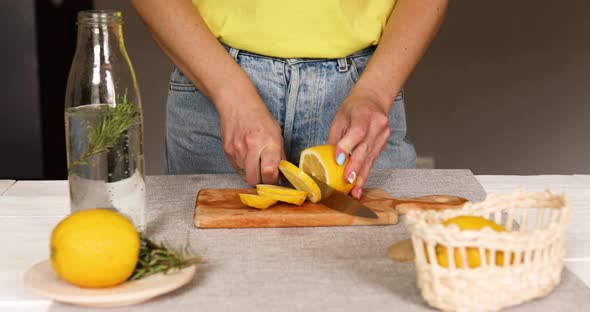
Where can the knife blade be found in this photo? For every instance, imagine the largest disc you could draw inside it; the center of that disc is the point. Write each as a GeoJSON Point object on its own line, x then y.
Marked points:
{"type": "Point", "coordinates": [284, 182]}
{"type": "Point", "coordinates": [339, 201]}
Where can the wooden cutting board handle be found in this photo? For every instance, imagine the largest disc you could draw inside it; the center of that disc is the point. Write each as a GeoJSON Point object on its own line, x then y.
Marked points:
{"type": "Point", "coordinates": [430, 202]}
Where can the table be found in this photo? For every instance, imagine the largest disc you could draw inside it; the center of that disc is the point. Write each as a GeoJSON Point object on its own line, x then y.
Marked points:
{"type": "Point", "coordinates": [5, 184]}
{"type": "Point", "coordinates": [30, 209]}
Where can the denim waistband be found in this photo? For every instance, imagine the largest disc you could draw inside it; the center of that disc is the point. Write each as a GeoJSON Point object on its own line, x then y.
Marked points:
{"type": "Point", "coordinates": [234, 52]}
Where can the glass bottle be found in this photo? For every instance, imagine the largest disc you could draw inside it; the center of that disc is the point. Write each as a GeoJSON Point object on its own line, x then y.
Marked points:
{"type": "Point", "coordinates": [104, 133]}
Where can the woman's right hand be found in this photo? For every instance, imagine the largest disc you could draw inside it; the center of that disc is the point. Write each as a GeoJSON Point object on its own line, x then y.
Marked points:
{"type": "Point", "coordinates": [251, 136]}
{"type": "Point", "coordinates": [252, 141]}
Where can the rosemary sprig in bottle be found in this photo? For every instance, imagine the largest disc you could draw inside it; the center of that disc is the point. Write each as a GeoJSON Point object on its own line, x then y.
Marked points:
{"type": "Point", "coordinates": [111, 128]}
{"type": "Point", "coordinates": [154, 258]}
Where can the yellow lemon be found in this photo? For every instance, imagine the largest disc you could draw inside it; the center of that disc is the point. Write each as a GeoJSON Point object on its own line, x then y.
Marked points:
{"type": "Point", "coordinates": [257, 201]}
{"type": "Point", "coordinates": [301, 180]}
{"type": "Point", "coordinates": [473, 223]}
{"type": "Point", "coordinates": [281, 193]}
{"type": "Point", "coordinates": [94, 248]}
{"type": "Point", "coordinates": [466, 223]}
{"type": "Point", "coordinates": [279, 190]}
{"type": "Point", "coordinates": [318, 161]}
{"type": "Point", "coordinates": [290, 199]}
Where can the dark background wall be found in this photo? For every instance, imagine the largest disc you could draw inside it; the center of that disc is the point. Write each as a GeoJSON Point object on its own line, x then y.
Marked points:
{"type": "Point", "coordinates": [20, 113]}
{"type": "Point", "coordinates": [504, 89]}
{"type": "Point", "coordinates": [37, 42]}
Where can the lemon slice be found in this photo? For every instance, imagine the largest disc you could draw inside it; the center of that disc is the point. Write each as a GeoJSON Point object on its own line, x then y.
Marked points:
{"type": "Point", "coordinates": [295, 200]}
{"type": "Point", "coordinates": [301, 180]}
{"type": "Point", "coordinates": [318, 161]}
{"type": "Point", "coordinates": [256, 201]}
{"type": "Point", "coordinates": [280, 190]}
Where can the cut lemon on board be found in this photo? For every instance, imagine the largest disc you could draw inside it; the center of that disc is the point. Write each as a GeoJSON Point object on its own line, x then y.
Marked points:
{"type": "Point", "coordinates": [318, 161]}
{"type": "Point", "coordinates": [301, 180]}
{"type": "Point", "coordinates": [290, 199]}
{"type": "Point", "coordinates": [256, 201]}
{"type": "Point", "coordinates": [280, 190]}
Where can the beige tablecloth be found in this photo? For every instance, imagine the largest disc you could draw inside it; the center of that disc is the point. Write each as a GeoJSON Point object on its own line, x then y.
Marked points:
{"type": "Point", "coordinates": [307, 269]}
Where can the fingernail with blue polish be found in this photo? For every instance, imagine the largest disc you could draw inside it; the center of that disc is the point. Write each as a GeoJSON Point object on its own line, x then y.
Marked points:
{"type": "Point", "coordinates": [351, 177]}
{"type": "Point", "coordinates": [340, 159]}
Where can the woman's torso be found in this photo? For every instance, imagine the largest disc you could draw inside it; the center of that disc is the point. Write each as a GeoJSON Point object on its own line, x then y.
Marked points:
{"type": "Point", "coordinates": [297, 29]}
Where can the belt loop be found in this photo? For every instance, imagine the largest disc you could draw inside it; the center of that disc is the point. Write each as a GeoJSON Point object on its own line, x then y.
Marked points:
{"type": "Point", "coordinates": [343, 64]}
{"type": "Point", "coordinates": [234, 53]}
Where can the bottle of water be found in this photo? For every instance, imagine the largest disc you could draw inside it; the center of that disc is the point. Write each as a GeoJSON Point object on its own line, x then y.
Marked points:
{"type": "Point", "coordinates": [104, 133]}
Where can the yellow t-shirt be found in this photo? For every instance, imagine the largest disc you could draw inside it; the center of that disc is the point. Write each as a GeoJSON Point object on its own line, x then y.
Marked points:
{"type": "Point", "coordinates": [297, 28]}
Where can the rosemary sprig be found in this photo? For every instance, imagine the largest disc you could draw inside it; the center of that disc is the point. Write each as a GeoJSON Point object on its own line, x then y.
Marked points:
{"type": "Point", "coordinates": [154, 258]}
{"type": "Point", "coordinates": [111, 128]}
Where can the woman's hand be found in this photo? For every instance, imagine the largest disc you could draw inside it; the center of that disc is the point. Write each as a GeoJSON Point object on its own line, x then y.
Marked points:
{"type": "Point", "coordinates": [251, 136]}
{"type": "Point", "coordinates": [360, 128]}
{"type": "Point", "coordinates": [360, 125]}
{"type": "Point", "coordinates": [252, 141]}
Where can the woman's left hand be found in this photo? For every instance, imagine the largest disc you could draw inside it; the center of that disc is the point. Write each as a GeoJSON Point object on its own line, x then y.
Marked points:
{"type": "Point", "coordinates": [360, 131]}
{"type": "Point", "coordinates": [361, 123]}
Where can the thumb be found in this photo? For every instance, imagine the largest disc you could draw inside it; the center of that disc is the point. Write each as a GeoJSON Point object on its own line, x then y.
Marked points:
{"type": "Point", "coordinates": [270, 157]}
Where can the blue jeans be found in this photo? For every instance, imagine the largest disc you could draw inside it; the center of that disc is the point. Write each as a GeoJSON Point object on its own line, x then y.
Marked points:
{"type": "Point", "coordinates": [302, 94]}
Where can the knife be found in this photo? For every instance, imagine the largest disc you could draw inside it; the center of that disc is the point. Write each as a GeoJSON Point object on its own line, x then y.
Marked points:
{"type": "Point", "coordinates": [339, 201]}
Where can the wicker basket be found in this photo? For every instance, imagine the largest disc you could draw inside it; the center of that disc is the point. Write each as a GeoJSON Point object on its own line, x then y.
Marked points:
{"type": "Point", "coordinates": [532, 251]}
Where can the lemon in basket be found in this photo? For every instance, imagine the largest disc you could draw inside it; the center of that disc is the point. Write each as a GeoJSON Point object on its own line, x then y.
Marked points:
{"type": "Point", "coordinates": [466, 223]}
{"type": "Point", "coordinates": [94, 248]}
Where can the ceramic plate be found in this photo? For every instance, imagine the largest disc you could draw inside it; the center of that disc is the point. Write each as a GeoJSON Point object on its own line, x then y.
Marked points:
{"type": "Point", "coordinates": [42, 279]}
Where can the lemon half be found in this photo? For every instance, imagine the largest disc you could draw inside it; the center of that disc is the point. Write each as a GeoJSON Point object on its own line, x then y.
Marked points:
{"type": "Point", "coordinates": [318, 161]}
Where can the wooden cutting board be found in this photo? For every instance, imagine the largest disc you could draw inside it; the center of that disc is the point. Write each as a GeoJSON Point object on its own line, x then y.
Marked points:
{"type": "Point", "coordinates": [221, 208]}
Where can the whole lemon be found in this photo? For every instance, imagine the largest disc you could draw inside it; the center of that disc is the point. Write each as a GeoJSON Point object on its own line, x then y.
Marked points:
{"type": "Point", "coordinates": [94, 248]}
{"type": "Point", "coordinates": [473, 223]}
{"type": "Point", "coordinates": [318, 161]}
